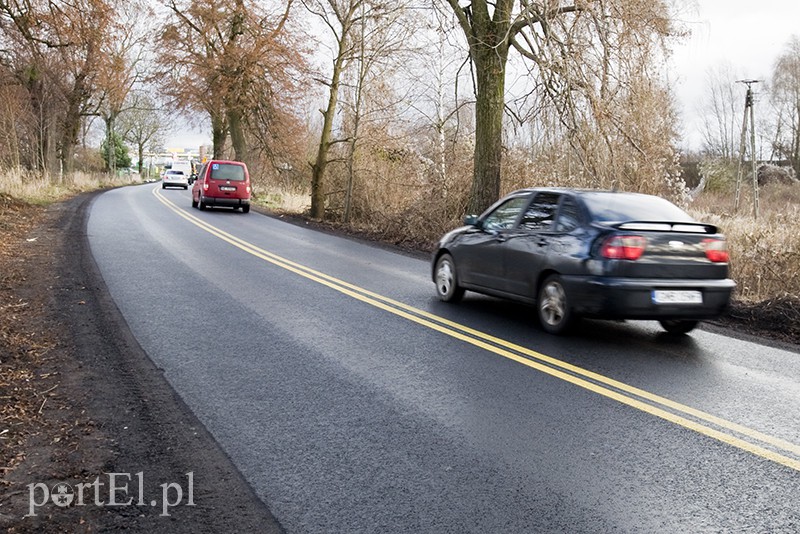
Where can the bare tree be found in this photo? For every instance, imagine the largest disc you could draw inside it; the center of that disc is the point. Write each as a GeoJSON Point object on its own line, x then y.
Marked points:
{"type": "Point", "coordinates": [722, 113]}
{"type": "Point", "coordinates": [380, 47]}
{"type": "Point", "coordinates": [142, 123]}
{"type": "Point", "coordinates": [341, 18]}
{"type": "Point", "coordinates": [229, 58]}
{"type": "Point", "coordinates": [573, 48]}
{"type": "Point", "coordinates": [786, 97]}
{"type": "Point", "coordinates": [123, 67]}
{"type": "Point", "coordinates": [56, 56]}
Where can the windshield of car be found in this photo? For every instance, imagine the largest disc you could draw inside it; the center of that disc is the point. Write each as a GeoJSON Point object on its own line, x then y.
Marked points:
{"type": "Point", "coordinates": [620, 207]}
{"type": "Point", "coordinates": [227, 171]}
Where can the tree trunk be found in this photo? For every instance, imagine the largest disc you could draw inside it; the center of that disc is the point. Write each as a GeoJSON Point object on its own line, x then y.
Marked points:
{"type": "Point", "coordinates": [238, 139]}
{"type": "Point", "coordinates": [490, 65]}
{"type": "Point", "coordinates": [111, 145]}
{"type": "Point", "coordinates": [795, 157]}
{"type": "Point", "coordinates": [69, 138]}
{"type": "Point", "coordinates": [219, 132]}
{"type": "Point", "coordinates": [318, 168]}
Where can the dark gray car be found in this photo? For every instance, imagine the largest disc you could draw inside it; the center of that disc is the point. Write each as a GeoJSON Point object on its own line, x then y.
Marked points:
{"type": "Point", "coordinates": [599, 254]}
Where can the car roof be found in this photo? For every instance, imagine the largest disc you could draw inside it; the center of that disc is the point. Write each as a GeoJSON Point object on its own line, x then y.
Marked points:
{"type": "Point", "coordinates": [579, 191]}
{"type": "Point", "coordinates": [225, 161]}
{"type": "Point", "coordinates": [568, 190]}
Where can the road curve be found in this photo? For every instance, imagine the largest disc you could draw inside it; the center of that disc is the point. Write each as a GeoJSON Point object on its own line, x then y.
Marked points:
{"type": "Point", "coordinates": [353, 401]}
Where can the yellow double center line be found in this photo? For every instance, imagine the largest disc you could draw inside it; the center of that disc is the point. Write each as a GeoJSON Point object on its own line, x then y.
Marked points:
{"type": "Point", "coordinates": [675, 412]}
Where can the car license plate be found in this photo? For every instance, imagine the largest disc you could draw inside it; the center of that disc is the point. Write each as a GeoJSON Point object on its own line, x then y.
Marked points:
{"type": "Point", "coordinates": [226, 188]}
{"type": "Point", "coordinates": [677, 297]}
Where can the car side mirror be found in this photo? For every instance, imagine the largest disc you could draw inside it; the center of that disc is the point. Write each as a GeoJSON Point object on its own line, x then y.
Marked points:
{"type": "Point", "coordinates": [471, 220]}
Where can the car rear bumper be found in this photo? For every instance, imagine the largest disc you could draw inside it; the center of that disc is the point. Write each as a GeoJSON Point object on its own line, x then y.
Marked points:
{"type": "Point", "coordinates": [176, 183]}
{"type": "Point", "coordinates": [230, 202]}
{"type": "Point", "coordinates": [631, 298]}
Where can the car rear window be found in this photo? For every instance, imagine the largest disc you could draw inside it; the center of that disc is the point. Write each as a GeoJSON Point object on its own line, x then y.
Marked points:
{"type": "Point", "coordinates": [175, 172]}
{"type": "Point", "coordinates": [227, 171]}
{"type": "Point", "coordinates": [620, 207]}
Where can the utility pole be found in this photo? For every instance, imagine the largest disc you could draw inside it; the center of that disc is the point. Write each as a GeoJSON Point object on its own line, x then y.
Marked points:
{"type": "Point", "coordinates": [748, 114]}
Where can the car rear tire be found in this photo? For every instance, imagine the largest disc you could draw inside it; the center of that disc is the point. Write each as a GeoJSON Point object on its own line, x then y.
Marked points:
{"type": "Point", "coordinates": [163, 186]}
{"type": "Point", "coordinates": [678, 326]}
{"type": "Point", "coordinates": [447, 288]}
{"type": "Point", "coordinates": [246, 209]}
{"type": "Point", "coordinates": [553, 307]}
{"type": "Point", "coordinates": [201, 204]}
{"type": "Point", "coordinates": [194, 203]}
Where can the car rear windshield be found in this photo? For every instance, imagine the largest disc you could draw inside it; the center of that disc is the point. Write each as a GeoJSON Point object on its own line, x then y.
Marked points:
{"type": "Point", "coordinates": [175, 172]}
{"type": "Point", "coordinates": [620, 207]}
{"type": "Point", "coordinates": [227, 171]}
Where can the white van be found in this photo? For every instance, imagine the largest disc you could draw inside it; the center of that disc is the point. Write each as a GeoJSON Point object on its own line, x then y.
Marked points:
{"type": "Point", "coordinates": [185, 166]}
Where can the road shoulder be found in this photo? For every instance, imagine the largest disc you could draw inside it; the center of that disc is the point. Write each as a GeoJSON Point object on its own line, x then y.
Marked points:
{"type": "Point", "coordinates": [90, 402]}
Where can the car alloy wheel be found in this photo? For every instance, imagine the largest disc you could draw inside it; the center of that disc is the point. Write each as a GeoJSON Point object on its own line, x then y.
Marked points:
{"type": "Point", "coordinates": [447, 287]}
{"type": "Point", "coordinates": [553, 306]}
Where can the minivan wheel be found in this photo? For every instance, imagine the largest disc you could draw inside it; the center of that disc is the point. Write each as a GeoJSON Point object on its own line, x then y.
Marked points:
{"type": "Point", "coordinates": [194, 203]}
{"type": "Point", "coordinates": [553, 306]}
{"type": "Point", "coordinates": [678, 326]}
{"type": "Point", "coordinates": [447, 287]}
{"type": "Point", "coordinates": [246, 208]}
{"type": "Point", "coordinates": [201, 204]}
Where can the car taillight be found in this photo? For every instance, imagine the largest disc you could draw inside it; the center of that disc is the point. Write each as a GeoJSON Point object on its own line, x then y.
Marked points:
{"type": "Point", "coordinates": [716, 250]}
{"type": "Point", "coordinates": [248, 189]}
{"type": "Point", "coordinates": [205, 186]}
{"type": "Point", "coordinates": [623, 247]}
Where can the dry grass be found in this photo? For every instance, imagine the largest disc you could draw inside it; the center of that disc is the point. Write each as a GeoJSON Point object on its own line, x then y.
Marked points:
{"type": "Point", "coordinates": [765, 251]}
{"type": "Point", "coordinates": [41, 189]}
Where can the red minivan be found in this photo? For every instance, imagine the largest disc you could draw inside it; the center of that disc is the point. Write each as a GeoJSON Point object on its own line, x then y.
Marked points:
{"type": "Point", "coordinates": [222, 183]}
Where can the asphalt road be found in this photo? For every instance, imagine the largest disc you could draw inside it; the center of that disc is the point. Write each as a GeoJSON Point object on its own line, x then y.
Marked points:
{"type": "Point", "coordinates": [352, 400]}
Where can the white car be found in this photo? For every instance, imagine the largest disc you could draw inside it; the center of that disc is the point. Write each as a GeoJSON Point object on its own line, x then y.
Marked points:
{"type": "Point", "coordinates": [173, 177]}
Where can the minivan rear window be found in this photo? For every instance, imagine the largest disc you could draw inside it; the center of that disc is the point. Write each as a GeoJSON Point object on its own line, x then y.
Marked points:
{"type": "Point", "coordinates": [227, 171]}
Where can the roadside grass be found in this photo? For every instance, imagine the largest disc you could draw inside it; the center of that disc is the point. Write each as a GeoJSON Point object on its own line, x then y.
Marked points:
{"type": "Point", "coordinates": [765, 251]}
{"type": "Point", "coordinates": [283, 201]}
{"type": "Point", "coordinates": [40, 189]}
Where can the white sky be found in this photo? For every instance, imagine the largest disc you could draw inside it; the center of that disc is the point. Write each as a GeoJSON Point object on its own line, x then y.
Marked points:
{"type": "Point", "coordinates": [747, 34]}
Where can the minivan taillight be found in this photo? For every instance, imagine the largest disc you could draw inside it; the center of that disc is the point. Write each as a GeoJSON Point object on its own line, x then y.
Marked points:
{"type": "Point", "coordinates": [623, 247]}
{"type": "Point", "coordinates": [716, 250]}
{"type": "Point", "coordinates": [205, 185]}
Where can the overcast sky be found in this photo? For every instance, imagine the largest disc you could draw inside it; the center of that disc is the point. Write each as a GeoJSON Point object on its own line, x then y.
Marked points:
{"type": "Point", "coordinates": [747, 34]}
